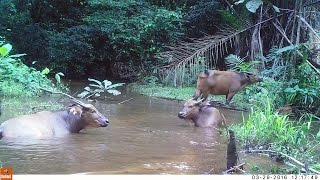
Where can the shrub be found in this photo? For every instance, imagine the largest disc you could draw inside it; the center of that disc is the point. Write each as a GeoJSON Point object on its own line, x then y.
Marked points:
{"type": "Point", "coordinates": [17, 79]}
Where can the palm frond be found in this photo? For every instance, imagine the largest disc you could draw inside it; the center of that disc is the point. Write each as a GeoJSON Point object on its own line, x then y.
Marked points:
{"type": "Point", "coordinates": [188, 59]}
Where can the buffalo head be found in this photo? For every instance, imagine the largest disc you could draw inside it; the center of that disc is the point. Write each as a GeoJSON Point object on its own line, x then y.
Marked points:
{"type": "Point", "coordinates": [191, 108]}
{"type": "Point", "coordinates": [89, 115]}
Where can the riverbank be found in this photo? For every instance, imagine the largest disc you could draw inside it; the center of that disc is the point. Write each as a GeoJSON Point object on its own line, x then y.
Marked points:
{"type": "Point", "coordinates": [264, 129]}
{"type": "Point", "coordinates": [170, 93]}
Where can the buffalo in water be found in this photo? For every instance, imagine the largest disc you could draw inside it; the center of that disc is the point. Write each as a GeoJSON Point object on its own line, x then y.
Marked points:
{"type": "Point", "coordinates": [202, 114]}
{"type": "Point", "coordinates": [46, 123]}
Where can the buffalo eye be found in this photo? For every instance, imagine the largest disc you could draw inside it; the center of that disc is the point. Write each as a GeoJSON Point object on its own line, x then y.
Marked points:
{"type": "Point", "coordinates": [190, 106]}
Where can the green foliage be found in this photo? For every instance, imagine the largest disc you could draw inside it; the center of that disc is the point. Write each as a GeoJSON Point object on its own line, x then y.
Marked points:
{"type": "Point", "coordinates": [233, 19]}
{"type": "Point", "coordinates": [5, 49]}
{"type": "Point", "coordinates": [91, 38]}
{"type": "Point", "coordinates": [255, 94]}
{"type": "Point", "coordinates": [235, 62]}
{"type": "Point", "coordinates": [264, 126]}
{"type": "Point", "coordinates": [202, 17]}
{"type": "Point", "coordinates": [95, 90]}
{"type": "Point", "coordinates": [17, 79]}
{"type": "Point", "coordinates": [304, 88]}
{"type": "Point", "coordinates": [151, 81]}
{"type": "Point", "coordinates": [137, 31]}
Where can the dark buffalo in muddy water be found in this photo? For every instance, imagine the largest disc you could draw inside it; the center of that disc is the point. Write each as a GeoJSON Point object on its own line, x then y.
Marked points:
{"type": "Point", "coordinates": [201, 113]}
{"type": "Point", "coordinates": [46, 123]}
{"type": "Point", "coordinates": [223, 83]}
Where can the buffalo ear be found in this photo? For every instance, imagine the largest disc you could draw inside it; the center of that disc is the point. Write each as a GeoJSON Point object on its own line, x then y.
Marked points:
{"type": "Point", "coordinates": [75, 110]}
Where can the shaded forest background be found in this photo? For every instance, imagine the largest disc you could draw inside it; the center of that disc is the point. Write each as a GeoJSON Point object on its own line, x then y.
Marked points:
{"type": "Point", "coordinates": [169, 42]}
{"type": "Point", "coordinates": [111, 39]}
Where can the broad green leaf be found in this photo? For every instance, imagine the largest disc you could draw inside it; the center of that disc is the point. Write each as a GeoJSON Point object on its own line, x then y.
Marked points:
{"type": "Point", "coordinates": [5, 49]}
{"type": "Point", "coordinates": [45, 71]}
{"type": "Point", "coordinates": [106, 83]}
{"type": "Point", "coordinates": [17, 55]}
{"type": "Point", "coordinates": [114, 92]}
{"type": "Point", "coordinates": [253, 5]}
{"type": "Point", "coordinates": [96, 81]}
{"type": "Point", "coordinates": [83, 94]}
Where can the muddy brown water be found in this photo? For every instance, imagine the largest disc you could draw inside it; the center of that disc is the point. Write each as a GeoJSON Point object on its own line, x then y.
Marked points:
{"type": "Point", "coordinates": [145, 136]}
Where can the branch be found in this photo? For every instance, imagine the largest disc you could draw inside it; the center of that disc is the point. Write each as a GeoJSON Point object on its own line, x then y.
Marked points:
{"type": "Point", "coordinates": [299, 53]}
{"type": "Point", "coordinates": [71, 97]}
{"type": "Point", "coordinates": [312, 3]}
{"type": "Point", "coordinates": [285, 155]}
{"type": "Point", "coordinates": [125, 101]}
{"type": "Point", "coordinates": [235, 168]}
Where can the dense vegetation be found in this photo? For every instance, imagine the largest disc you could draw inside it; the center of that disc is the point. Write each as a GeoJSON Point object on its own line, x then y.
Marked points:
{"type": "Point", "coordinates": [164, 44]}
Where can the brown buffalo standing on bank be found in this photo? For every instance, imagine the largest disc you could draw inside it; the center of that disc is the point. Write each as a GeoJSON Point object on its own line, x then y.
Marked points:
{"type": "Point", "coordinates": [47, 123]}
{"type": "Point", "coordinates": [223, 83]}
{"type": "Point", "coordinates": [202, 114]}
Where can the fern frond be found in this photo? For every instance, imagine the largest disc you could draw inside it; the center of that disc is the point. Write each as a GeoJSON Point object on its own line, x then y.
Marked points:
{"type": "Point", "coordinates": [188, 59]}
{"type": "Point", "coordinates": [233, 61]}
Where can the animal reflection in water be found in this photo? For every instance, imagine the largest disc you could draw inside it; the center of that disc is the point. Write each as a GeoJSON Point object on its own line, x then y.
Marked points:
{"type": "Point", "coordinates": [47, 124]}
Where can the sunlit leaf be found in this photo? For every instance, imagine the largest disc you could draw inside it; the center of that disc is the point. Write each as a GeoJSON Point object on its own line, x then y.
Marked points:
{"type": "Point", "coordinates": [276, 8]}
{"type": "Point", "coordinates": [5, 49]}
{"type": "Point", "coordinates": [115, 85]}
{"type": "Point", "coordinates": [96, 81]}
{"type": "Point", "coordinates": [107, 83]}
{"type": "Point", "coordinates": [253, 5]}
{"type": "Point", "coordinates": [94, 85]}
{"type": "Point", "coordinates": [45, 71]}
{"type": "Point", "coordinates": [87, 88]}
{"type": "Point", "coordinates": [57, 76]}
{"type": "Point", "coordinates": [114, 92]}
{"type": "Point", "coordinates": [60, 74]}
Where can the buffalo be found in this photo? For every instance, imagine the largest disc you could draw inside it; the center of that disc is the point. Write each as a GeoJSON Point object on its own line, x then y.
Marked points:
{"type": "Point", "coordinates": [47, 123]}
{"type": "Point", "coordinates": [223, 83]}
{"type": "Point", "coordinates": [202, 114]}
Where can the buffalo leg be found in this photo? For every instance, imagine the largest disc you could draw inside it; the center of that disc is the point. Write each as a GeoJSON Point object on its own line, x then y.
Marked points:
{"type": "Point", "coordinates": [229, 97]}
{"type": "Point", "coordinates": [197, 94]}
{"type": "Point", "coordinates": [204, 96]}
